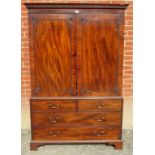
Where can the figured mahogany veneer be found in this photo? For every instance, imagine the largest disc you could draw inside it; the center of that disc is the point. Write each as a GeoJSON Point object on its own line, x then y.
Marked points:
{"type": "Point", "coordinates": [76, 59]}
{"type": "Point", "coordinates": [75, 133]}
{"type": "Point", "coordinates": [53, 105]}
{"type": "Point", "coordinates": [100, 105]}
{"type": "Point", "coordinates": [76, 119]}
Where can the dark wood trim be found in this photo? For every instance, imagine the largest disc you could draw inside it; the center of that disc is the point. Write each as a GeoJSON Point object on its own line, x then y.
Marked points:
{"type": "Point", "coordinates": [74, 6]}
{"type": "Point", "coordinates": [116, 143]}
{"type": "Point", "coordinates": [76, 142]}
{"type": "Point", "coordinates": [78, 98]}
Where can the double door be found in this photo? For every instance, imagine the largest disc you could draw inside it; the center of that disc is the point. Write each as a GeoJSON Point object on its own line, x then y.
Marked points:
{"type": "Point", "coordinates": [76, 54]}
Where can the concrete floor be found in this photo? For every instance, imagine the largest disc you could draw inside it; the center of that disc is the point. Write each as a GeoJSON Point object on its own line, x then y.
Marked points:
{"type": "Point", "coordinates": [95, 149]}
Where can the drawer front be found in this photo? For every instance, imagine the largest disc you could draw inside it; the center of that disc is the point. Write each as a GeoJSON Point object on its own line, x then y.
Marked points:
{"type": "Point", "coordinates": [72, 133]}
{"type": "Point", "coordinates": [53, 105]}
{"type": "Point", "coordinates": [78, 118]}
{"type": "Point", "coordinates": [100, 105]}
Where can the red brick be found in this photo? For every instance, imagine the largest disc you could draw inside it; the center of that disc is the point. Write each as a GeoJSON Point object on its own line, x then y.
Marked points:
{"type": "Point", "coordinates": [128, 43]}
{"type": "Point", "coordinates": [128, 62]}
{"type": "Point", "coordinates": [128, 53]}
{"type": "Point", "coordinates": [127, 76]}
{"type": "Point", "coordinates": [23, 8]}
{"type": "Point", "coordinates": [130, 32]}
{"type": "Point", "coordinates": [128, 72]}
{"type": "Point", "coordinates": [26, 64]}
{"type": "Point", "coordinates": [25, 29]}
{"type": "Point", "coordinates": [128, 81]}
{"type": "Point", "coordinates": [24, 23]}
{"type": "Point", "coordinates": [127, 89]}
{"type": "Point", "coordinates": [130, 7]}
{"type": "Point", "coordinates": [129, 12]}
{"type": "Point", "coordinates": [127, 47]}
{"type": "Point", "coordinates": [127, 94]}
{"type": "Point", "coordinates": [28, 91]}
{"type": "Point", "coordinates": [25, 50]}
{"type": "Point", "coordinates": [128, 57]}
{"type": "Point", "coordinates": [127, 67]}
{"type": "Point", "coordinates": [128, 22]}
{"type": "Point", "coordinates": [26, 34]}
{"type": "Point", "coordinates": [127, 37]}
{"type": "Point", "coordinates": [25, 44]}
{"type": "Point", "coordinates": [24, 14]}
{"type": "Point", "coordinates": [128, 27]}
{"type": "Point", "coordinates": [25, 40]}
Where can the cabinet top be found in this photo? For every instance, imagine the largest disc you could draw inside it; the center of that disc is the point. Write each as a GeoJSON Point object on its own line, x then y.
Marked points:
{"type": "Point", "coordinates": [75, 5]}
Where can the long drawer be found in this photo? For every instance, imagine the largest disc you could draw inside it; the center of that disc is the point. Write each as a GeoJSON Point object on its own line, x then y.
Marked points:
{"type": "Point", "coordinates": [78, 118]}
{"type": "Point", "coordinates": [74, 133]}
{"type": "Point", "coordinates": [53, 105]}
{"type": "Point", "coordinates": [100, 105]}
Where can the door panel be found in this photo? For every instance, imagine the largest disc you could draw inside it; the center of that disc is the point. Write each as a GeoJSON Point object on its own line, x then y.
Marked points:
{"type": "Point", "coordinates": [52, 52]}
{"type": "Point", "coordinates": [98, 55]}
{"type": "Point", "coordinates": [78, 55]}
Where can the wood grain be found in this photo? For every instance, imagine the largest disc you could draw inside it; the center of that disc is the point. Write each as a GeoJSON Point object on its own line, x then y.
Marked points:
{"type": "Point", "coordinates": [76, 58]}
{"type": "Point", "coordinates": [100, 105]}
{"type": "Point", "coordinates": [52, 43]}
{"type": "Point", "coordinates": [76, 119]}
{"type": "Point", "coordinates": [74, 133]}
{"type": "Point", "coordinates": [53, 105]}
{"type": "Point", "coordinates": [68, 6]}
{"type": "Point", "coordinates": [98, 55]}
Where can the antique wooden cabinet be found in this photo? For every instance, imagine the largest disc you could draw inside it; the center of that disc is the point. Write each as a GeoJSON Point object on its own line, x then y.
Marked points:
{"type": "Point", "coordinates": [76, 57]}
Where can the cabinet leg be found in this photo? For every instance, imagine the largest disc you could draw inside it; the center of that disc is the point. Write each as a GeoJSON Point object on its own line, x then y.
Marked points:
{"type": "Point", "coordinates": [33, 146]}
{"type": "Point", "coordinates": [117, 145]}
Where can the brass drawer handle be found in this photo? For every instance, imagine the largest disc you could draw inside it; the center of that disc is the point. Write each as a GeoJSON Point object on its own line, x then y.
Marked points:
{"type": "Point", "coordinates": [99, 133]}
{"type": "Point", "coordinates": [100, 106]}
{"type": "Point", "coordinates": [53, 106]}
{"type": "Point", "coordinates": [100, 119]}
{"type": "Point", "coordinates": [54, 133]}
{"type": "Point", "coordinates": [54, 119]}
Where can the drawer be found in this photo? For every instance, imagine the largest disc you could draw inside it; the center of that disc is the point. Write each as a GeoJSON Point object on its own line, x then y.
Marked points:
{"type": "Point", "coordinates": [100, 105]}
{"type": "Point", "coordinates": [74, 133]}
{"type": "Point", "coordinates": [53, 105]}
{"type": "Point", "coordinates": [79, 118]}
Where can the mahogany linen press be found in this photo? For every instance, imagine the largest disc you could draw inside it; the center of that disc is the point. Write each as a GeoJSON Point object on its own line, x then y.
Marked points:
{"type": "Point", "coordinates": [76, 63]}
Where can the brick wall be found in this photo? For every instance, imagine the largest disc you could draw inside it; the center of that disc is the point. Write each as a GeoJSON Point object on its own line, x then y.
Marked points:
{"type": "Point", "coordinates": [127, 66]}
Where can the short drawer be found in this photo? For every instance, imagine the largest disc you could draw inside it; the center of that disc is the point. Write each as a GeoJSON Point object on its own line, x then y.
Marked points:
{"type": "Point", "coordinates": [79, 118]}
{"type": "Point", "coordinates": [100, 105]}
{"type": "Point", "coordinates": [53, 105]}
{"type": "Point", "coordinates": [74, 133]}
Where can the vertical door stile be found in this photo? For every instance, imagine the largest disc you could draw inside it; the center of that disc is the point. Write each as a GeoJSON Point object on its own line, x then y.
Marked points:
{"type": "Point", "coordinates": [79, 53]}
{"type": "Point", "coordinates": [73, 54]}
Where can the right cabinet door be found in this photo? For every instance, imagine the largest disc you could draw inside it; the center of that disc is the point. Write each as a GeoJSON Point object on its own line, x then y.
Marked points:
{"type": "Point", "coordinates": [100, 47]}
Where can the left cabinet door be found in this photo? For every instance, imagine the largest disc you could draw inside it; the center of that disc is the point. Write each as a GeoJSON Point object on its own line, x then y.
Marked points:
{"type": "Point", "coordinates": [51, 46]}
